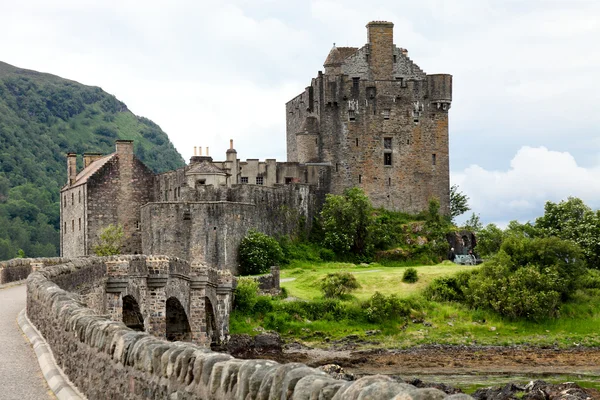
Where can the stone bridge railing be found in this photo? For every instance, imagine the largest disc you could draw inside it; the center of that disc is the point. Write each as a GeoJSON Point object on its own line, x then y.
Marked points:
{"type": "Point", "coordinates": [19, 268]}
{"type": "Point", "coordinates": [105, 359]}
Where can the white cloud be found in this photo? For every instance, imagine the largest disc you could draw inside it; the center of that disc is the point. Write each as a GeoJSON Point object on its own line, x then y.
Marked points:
{"type": "Point", "coordinates": [536, 175]}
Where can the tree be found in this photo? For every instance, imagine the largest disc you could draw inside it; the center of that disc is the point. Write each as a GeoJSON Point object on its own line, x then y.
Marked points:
{"type": "Point", "coordinates": [489, 240]}
{"type": "Point", "coordinates": [346, 220]}
{"type": "Point", "coordinates": [459, 202]}
{"type": "Point", "coordinates": [258, 252]}
{"type": "Point", "coordinates": [473, 224]}
{"type": "Point", "coordinates": [573, 220]}
{"type": "Point", "coordinates": [111, 240]}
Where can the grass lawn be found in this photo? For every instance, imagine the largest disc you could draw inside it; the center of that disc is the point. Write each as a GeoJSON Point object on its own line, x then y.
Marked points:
{"type": "Point", "coordinates": [372, 277]}
{"type": "Point", "coordinates": [430, 323]}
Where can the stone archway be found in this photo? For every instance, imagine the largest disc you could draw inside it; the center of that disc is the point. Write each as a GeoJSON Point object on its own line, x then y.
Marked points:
{"type": "Point", "coordinates": [177, 324]}
{"type": "Point", "coordinates": [211, 322]}
{"type": "Point", "coordinates": [132, 316]}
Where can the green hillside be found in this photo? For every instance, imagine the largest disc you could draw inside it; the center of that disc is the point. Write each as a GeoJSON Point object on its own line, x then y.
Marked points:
{"type": "Point", "coordinates": [42, 117]}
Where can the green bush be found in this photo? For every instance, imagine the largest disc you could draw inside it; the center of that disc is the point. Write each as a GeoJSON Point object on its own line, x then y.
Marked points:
{"type": "Point", "coordinates": [338, 284]}
{"type": "Point", "coordinates": [326, 254]}
{"type": "Point", "coordinates": [257, 253]}
{"type": "Point", "coordinates": [111, 240]}
{"type": "Point", "coordinates": [263, 305]}
{"type": "Point", "coordinates": [448, 288]}
{"type": "Point", "coordinates": [410, 275]}
{"type": "Point", "coordinates": [591, 280]}
{"type": "Point", "coordinates": [245, 295]}
{"type": "Point", "coordinates": [380, 308]}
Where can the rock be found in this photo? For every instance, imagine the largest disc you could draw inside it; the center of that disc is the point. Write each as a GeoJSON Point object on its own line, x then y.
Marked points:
{"type": "Point", "coordinates": [352, 391]}
{"type": "Point", "coordinates": [241, 346]}
{"type": "Point", "coordinates": [416, 382]}
{"type": "Point", "coordinates": [310, 386]}
{"type": "Point", "coordinates": [492, 328]}
{"type": "Point", "coordinates": [372, 332]}
{"type": "Point", "coordinates": [268, 343]}
{"type": "Point", "coordinates": [336, 372]}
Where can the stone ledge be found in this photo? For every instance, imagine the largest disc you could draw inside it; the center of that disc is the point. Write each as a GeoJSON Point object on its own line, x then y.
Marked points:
{"type": "Point", "coordinates": [60, 385]}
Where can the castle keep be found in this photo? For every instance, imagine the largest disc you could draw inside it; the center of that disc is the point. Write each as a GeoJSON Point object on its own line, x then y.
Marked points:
{"type": "Point", "coordinates": [373, 119]}
{"type": "Point", "coordinates": [379, 121]}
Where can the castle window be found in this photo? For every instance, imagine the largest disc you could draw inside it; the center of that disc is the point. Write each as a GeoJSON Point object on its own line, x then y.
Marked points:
{"type": "Point", "coordinates": [201, 182]}
{"type": "Point", "coordinates": [360, 179]}
{"type": "Point", "coordinates": [72, 225]}
{"type": "Point", "coordinates": [288, 180]}
{"type": "Point", "coordinates": [351, 115]}
{"type": "Point", "coordinates": [387, 143]}
{"type": "Point", "coordinates": [356, 142]}
{"type": "Point", "coordinates": [387, 159]}
{"type": "Point", "coordinates": [138, 225]}
{"type": "Point", "coordinates": [79, 223]}
{"type": "Point", "coordinates": [72, 199]}
{"type": "Point", "coordinates": [259, 180]}
{"type": "Point", "coordinates": [389, 183]}
{"type": "Point", "coordinates": [386, 114]}
{"type": "Point", "coordinates": [65, 201]}
{"type": "Point", "coordinates": [79, 193]}
{"type": "Point", "coordinates": [395, 58]}
{"type": "Point", "coordinates": [433, 159]}
{"type": "Point", "coordinates": [355, 86]}
{"type": "Point", "coordinates": [65, 230]}
{"type": "Point", "coordinates": [166, 195]}
{"type": "Point", "coordinates": [336, 167]}
{"type": "Point", "coordinates": [244, 179]}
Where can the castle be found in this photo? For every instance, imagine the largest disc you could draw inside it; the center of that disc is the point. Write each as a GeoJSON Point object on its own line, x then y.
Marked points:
{"type": "Point", "coordinates": [374, 120]}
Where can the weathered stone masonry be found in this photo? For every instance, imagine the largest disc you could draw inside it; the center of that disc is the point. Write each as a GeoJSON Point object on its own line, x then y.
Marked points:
{"type": "Point", "coordinates": [105, 359]}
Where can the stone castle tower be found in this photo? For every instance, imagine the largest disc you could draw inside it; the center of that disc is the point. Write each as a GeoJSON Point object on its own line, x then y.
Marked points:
{"type": "Point", "coordinates": [379, 121]}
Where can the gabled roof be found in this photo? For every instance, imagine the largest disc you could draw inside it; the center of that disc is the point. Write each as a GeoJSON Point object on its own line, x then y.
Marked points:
{"type": "Point", "coordinates": [84, 175]}
{"type": "Point", "coordinates": [205, 167]}
{"type": "Point", "coordinates": [337, 55]}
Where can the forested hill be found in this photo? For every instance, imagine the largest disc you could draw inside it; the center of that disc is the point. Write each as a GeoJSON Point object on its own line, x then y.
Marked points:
{"type": "Point", "coordinates": [42, 117]}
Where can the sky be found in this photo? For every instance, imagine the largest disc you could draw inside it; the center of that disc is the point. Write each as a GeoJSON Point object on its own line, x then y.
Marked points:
{"type": "Point", "coordinates": [525, 116]}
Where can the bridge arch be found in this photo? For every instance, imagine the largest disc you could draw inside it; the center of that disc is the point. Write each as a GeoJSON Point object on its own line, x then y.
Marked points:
{"type": "Point", "coordinates": [177, 323]}
{"type": "Point", "coordinates": [132, 316]}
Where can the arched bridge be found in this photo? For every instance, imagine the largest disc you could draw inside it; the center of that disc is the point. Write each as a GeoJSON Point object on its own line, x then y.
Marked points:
{"type": "Point", "coordinates": [164, 296]}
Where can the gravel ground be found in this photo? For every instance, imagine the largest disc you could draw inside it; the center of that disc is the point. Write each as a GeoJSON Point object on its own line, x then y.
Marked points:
{"type": "Point", "coordinates": [20, 374]}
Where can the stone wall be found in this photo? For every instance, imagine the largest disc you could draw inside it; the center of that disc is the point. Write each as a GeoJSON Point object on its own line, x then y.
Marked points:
{"type": "Point", "coordinates": [211, 230]}
{"type": "Point", "coordinates": [105, 359]}
{"type": "Point", "coordinates": [269, 283]}
{"type": "Point", "coordinates": [19, 268]}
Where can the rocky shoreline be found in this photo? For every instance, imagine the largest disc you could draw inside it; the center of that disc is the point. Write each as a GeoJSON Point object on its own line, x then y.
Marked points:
{"type": "Point", "coordinates": [351, 362]}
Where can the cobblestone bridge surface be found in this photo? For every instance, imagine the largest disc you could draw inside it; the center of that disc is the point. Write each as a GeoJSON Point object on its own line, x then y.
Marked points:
{"type": "Point", "coordinates": [20, 374]}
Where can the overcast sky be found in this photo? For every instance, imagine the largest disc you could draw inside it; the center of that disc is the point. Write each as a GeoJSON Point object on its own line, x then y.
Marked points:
{"type": "Point", "coordinates": [525, 117]}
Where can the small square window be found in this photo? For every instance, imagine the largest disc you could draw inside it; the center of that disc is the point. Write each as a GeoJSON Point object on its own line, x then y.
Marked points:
{"type": "Point", "coordinates": [351, 115]}
{"type": "Point", "coordinates": [288, 180]}
{"type": "Point", "coordinates": [201, 181]}
{"type": "Point", "coordinates": [387, 143]}
{"type": "Point", "coordinates": [244, 179]}
{"type": "Point", "coordinates": [259, 180]}
{"type": "Point", "coordinates": [387, 159]}
{"type": "Point", "coordinates": [386, 114]}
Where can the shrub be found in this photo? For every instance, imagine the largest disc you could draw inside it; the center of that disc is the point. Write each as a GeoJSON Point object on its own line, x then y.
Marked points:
{"type": "Point", "coordinates": [338, 284]}
{"type": "Point", "coordinates": [245, 295]}
{"type": "Point", "coordinates": [448, 288]}
{"type": "Point", "coordinates": [591, 280]}
{"type": "Point", "coordinates": [380, 308]}
{"type": "Point", "coordinates": [258, 252]}
{"type": "Point", "coordinates": [326, 254]}
{"type": "Point", "coordinates": [263, 305]}
{"type": "Point", "coordinates": [410, 275]}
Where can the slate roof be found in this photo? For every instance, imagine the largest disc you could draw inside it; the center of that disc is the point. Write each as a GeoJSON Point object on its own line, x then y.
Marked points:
{"type": "Point", "coordinates": [84, 175]}
{"type": "Point", "coordinates": [205, 167]}
{"type": "Point", "coordinates": [337, 55]}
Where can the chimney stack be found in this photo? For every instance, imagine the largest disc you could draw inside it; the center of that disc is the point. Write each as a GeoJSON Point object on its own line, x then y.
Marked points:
{"type": "Point", "coordinates": [71, 167]}
{"type": "Point", "coordinates": [195, 151]}
{"type": "Point", "coordinates": [230, 144]}
{"type": "Point", "coordinates": [381, 49]}
{"type": "Point", "coordinates": [89, 158]}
